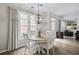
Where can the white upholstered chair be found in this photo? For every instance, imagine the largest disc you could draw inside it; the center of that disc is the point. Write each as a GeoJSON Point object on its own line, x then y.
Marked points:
{"type": "Point", "coordinates": [30, 44]}
{"type": "Point", "coordinates": [50, 42]}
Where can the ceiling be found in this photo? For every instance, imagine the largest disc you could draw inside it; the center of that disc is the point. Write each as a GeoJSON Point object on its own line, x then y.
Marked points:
{"type": "Point", "coordinates": [66, 10]}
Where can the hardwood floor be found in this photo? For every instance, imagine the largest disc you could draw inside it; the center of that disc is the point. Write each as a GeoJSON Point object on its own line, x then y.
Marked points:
{"type": "Point", "coordinates": [62, 47]}
{"type": "Point", "coordinates": [69, 46]}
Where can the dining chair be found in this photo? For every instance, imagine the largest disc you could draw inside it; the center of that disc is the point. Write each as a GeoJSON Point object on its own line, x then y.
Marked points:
{"type": "Point", "coordinates": [50, 42]}
{"type": "Point", "coordinates": [30, 44]}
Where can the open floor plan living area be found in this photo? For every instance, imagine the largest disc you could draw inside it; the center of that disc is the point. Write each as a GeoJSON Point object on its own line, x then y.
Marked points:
{"type": "Point", "coordinates": [39, 28]}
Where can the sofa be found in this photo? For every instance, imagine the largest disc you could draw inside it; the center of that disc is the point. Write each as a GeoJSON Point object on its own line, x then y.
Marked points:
{"type": "Point", "coordinates": [68, 33]}
{"type": "Point", "coordinates": [77, 35]}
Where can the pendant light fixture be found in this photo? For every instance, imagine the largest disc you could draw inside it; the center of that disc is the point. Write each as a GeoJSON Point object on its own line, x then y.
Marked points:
{"type": "Point", "coordinates": [38, 15]}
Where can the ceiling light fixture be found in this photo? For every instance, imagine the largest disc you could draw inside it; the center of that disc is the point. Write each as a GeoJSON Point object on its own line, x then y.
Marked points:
{"type": "Point", "coordinates": [38, 15]}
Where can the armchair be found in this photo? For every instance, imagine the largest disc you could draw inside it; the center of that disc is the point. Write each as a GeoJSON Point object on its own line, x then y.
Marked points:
{"type": "Point", "coordinates": [30, 44]}
{"type": "Point", "coordinates": [50, 44]}
{"type": "Point", "coordinates": [68, 33]}
{"type": "Point", "coordinates": [77, 35]}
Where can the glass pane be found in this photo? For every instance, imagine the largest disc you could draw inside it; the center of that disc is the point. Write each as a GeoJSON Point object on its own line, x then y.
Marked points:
{"type": "Point", "coordinates": [33, 27]}
{"type": "Point", "coordinates": [23, 28]}
{"type": "Point", "coordinates": [32, 20]}
{"type": "Point", "coordinates": [23, 19]}
{"type": "Point", "coordinates": [33, 24]}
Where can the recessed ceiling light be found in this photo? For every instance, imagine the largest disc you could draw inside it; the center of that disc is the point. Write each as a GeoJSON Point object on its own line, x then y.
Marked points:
{"type": "Point", "coordinates": [41, 4]}
{"type": "Point", "coordinates": [32, 7]}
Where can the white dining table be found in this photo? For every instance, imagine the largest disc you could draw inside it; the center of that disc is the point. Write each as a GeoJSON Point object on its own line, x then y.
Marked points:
{"type": "Point", "coordinates": [40, 40]}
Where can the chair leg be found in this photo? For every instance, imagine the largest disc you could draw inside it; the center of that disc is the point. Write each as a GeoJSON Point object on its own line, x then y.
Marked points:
{"type": "Point", "coordinates": [53, 50]}
{"type": "Point", "coordinates": [25, 51]}
{"type": "Point", "coordinates": [30, 51]}
{"type": "Point", "coordinates": [47, 51]}
{"type": "Point", "coordinates": [39, 50]}
{"type": "Point", "coordinates": [43, 51]}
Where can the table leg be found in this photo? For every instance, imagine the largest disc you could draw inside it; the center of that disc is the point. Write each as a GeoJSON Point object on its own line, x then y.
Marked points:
{"type": "Point", "coordinates": [43, 50]}
{"type": "Point", "coordinates": [39, 49]}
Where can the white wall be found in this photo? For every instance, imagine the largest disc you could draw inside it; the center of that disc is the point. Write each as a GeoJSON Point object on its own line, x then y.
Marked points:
{"type": "Point", "coordinates": [57, 25]}
{"type": "Point", "coordinates": [3, 28]}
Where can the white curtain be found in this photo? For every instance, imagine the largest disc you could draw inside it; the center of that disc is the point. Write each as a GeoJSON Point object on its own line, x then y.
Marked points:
{"type": "Point", "coordinates": [12, 29]}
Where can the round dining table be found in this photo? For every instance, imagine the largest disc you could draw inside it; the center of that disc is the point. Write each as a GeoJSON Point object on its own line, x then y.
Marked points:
{"type": "Point", "coordinates": [39, 41]}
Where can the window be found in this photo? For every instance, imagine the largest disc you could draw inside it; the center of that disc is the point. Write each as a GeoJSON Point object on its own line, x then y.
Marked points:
{"type": "Point", "coordinates": [33, 26]}
{"type": "Point", "coordinates": [33, 23]}
{"type": "Point", "coordinates": [27, 23]}
{"type": "Point", "coordinates": [22, 24]}
{"type": "Point", "coordinates": [53, 24]}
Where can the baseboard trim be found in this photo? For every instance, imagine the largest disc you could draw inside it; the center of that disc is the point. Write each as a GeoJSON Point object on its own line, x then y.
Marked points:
{"type": "Point", "coordinates": [3, 51]}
